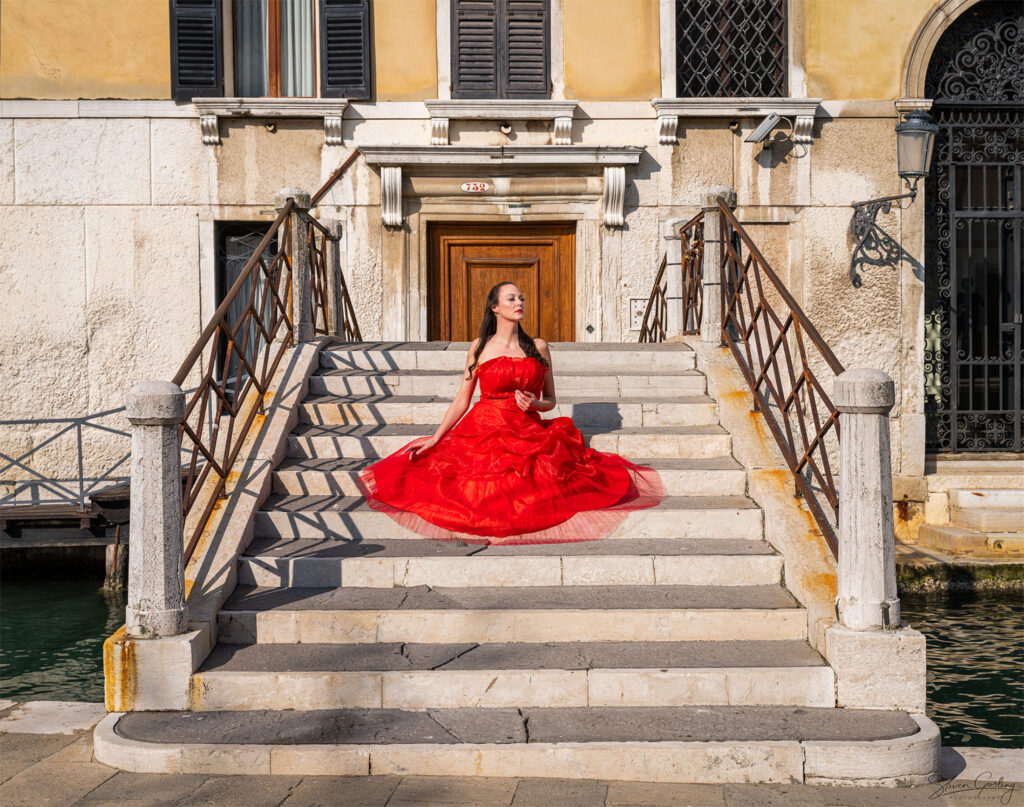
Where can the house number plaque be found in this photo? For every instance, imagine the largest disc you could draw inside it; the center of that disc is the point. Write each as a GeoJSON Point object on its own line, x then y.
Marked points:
{"type": "Point", "coordinates": [475, 187]}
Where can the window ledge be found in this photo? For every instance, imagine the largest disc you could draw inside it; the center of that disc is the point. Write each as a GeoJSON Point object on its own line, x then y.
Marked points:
{"type": "Point", "coordinates": [670, 110]}
{"type": "Point", "coordinates": [559, 112]}
{"type": "Point", "coordinates": [212, 109]}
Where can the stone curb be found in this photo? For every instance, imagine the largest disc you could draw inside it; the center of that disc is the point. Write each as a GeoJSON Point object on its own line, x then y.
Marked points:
{"type": "Point", "coordinates": [904, 761]}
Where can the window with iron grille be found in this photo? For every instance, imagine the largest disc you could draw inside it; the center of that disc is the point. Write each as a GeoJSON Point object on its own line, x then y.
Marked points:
{"type": "Point", "coordinates": [275, 48]}
{"type": "Point", "coordinates": [731, 48]}
{"type": "Point", "coordinates": [500, 49]}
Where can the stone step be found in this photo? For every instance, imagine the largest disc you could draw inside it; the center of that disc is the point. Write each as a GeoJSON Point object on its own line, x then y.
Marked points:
{"type": "Point", "coordinates": [311, 563]}
{"type": "Point", "coordinates": [709, 744]}
{"type": "Point", "coordinates": [568, 381]}
{"type": "Point", "coordinates": [580, 356]}
{"type": "Point", "coordinates": [433, 676]}
{"type": "Point", "coordinates": [606, 412]}
{"type": "Point", "coordinates": [714, 476]}
{"type": "Point", "coordinates": [956, 541]}
{"type": "Point", "coordinates": [670, 442]}
{"type": "Point", "coordinates": [352, 517]}
{"type": "Point", "coordinates": [510, 614]}
{"type": "Point", "coordinates": [987, 510]}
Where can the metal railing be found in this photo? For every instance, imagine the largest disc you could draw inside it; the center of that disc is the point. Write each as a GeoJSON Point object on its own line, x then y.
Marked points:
{"type": "Point", "coordinates": [655, 325]}
{"type": "Point", "coordinates": [23, 484]}
{"type": "Point", "coordinates": [783, 359]}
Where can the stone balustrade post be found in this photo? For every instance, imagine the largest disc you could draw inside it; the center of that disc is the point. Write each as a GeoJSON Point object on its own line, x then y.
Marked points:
{"type": "Point", "coordinates": [867, 565]}
{"type": "Point", "coordinates": [711, 273]}
{"type": "Point", "coordinates": [673, 279]}
{"type": "Point", "coordinates": [298, 248]}
{"type": "Point", "coordinates": [156, 555]}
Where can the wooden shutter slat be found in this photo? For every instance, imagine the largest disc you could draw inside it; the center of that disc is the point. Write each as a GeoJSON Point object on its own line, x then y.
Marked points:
{"type": "Point", "coordinates": [196, 49]}
{"type": "Point", "coordinates": [344, 48]}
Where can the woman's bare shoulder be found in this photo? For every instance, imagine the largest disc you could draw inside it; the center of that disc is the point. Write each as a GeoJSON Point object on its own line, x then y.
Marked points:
{"type": "Point", "coordinates": [542, 348]}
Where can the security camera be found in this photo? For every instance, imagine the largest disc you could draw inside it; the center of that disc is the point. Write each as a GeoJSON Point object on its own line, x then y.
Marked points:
{"type": "Point", "coordinates": [764, 129]}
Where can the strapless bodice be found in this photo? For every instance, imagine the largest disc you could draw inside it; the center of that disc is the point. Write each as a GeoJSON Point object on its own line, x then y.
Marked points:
{"type": "Point", "coordinates": [501, 376]}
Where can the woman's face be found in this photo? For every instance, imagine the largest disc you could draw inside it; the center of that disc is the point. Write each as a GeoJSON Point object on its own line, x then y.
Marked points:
{"type": "Point", "coordinates": [510, 303]}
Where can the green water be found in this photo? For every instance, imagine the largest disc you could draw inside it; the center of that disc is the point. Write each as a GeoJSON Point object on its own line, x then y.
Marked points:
{"type": "Point", "coordinates": [51, 639]}
{"type": "Point", "coordinates": [975, 665]}
{"type": "Point", "coordinates": [51, 648]}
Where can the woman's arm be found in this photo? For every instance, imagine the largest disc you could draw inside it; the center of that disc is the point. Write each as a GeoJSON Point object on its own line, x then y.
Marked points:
{"type": "Point", "coordinates": [456, 409]}
{"type": "Point", "coordinates": [529, 402]}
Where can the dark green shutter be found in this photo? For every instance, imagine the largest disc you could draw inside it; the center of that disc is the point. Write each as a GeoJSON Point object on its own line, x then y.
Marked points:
{"type": "Point", "coordinates": [526, 50]}
{"type": "Point", "coordinates": [475, 49]}
{"type": "Point", "coordinates": [196, 49]}
{"type": "Point", "coordinates": [344, 48]}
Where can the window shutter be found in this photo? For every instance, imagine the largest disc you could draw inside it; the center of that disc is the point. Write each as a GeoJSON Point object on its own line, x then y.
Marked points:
{"type": "Point", "coordinates": [344, 48]}
{"type": "Point", "coordinates": [475, 49]}
{"type": "Point", "coordinates": [526, 55]}
{"type": "Point", "coordinates": [196, 49]}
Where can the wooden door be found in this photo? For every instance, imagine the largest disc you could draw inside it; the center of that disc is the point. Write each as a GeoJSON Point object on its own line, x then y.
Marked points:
{"type": "Point", "coordinates": [466, 260]}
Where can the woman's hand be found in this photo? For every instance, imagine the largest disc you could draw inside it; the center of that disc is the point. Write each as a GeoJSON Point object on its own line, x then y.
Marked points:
{"type": "Point", "coordinates": [419, 446]}
{"type": "Point", "coordinates": [525, 399]}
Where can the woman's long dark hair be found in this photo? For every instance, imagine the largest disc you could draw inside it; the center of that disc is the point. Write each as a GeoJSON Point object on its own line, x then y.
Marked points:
{"type": "Point", "coordinates": [489, 325]}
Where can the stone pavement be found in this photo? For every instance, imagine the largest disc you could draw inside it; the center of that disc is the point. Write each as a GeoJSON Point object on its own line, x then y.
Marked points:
{"type": "Point", "coordinates": [46, 760]}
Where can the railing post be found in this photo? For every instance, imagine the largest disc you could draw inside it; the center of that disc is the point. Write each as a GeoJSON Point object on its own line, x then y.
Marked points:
{"type": "Point", "coordinates": [156, 556]}
{"type": "Point", "coordinates": [673, 278]}
{"type": "Point", "coordinates": [335, 304]}
{"type": "Point", "coordinates": [867, 568]}
{"type": "Point", "coordinates": [711, 273]}
{"type": "Point", "coordinates": [298, 249]}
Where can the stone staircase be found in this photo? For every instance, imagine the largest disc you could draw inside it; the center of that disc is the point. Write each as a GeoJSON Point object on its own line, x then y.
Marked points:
{"type": "Point", "coordinates": [983, 521]}
{"type": "Point", "coordinates": [668, 651]}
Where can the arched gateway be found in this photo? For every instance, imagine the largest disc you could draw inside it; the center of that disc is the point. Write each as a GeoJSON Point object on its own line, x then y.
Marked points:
{"type": "Point", "coordinates": [974, 384]}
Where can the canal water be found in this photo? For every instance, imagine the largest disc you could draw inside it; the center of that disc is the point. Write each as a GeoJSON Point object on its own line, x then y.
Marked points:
{"type": "Point", "coordinates": [51, 638]}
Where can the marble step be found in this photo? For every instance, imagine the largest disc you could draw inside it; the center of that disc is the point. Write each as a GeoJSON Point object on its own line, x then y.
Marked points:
{"type": "Point", "coordinates": [987, 510]}
{"type": "Point", "coordinates": [604, 412]}
{"type": "Point", "coordinates": [568, 381]}
{"type": "Point", "coordinates": [669, 442]}
{"type": "Point", "coordinates": [714, 476]}
{"type": "Point", "coordinates": [432, 676]}
{"type": "Point", "coordinates": [351, 517]}
{"type": "Point", "coordinates": [311, 563]}
{"type": "Point", "coordinates": [700, 744]}
{"type": "Point", "coordinates": [509, 614]}
{"type": "Point", "coordinates": [580, 356]}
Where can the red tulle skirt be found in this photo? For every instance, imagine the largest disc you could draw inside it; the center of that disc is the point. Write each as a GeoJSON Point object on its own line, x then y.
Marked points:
{"type": "Point", "coordinates": [505, 476]}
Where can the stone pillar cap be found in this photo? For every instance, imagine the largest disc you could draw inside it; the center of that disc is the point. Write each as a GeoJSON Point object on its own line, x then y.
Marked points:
{"type": "Point", "coordinates": [864, 390]}
{"type": "Point", "coordinates": [301, 197]}
{"type": "Point", "coordinates": [155, 403]}
{"type": "Point", "coordinates": [723, 192]}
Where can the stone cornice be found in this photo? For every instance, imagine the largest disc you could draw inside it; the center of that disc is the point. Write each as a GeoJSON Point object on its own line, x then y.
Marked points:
{"type": "Point", "coordinates": [442, 111]}
{"type": "Point", "coordinates": [610, 160]}
{"type": "Point", "coordinates": [210, 110]}
{"type": "Point", "coordinates": [509, 156]}
{"type": "Point", "coordinates": [670, 110]}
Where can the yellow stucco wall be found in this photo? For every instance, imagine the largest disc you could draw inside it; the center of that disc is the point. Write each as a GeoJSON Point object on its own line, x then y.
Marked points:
{"type": "Point", "coordinates": [856, 49]}
{"type": "Point", "coordinates": [85, 49]}
{"type": "Point", "coordinates": [405, 50]}
{"type": "Point", "coordinates": [612, 50]}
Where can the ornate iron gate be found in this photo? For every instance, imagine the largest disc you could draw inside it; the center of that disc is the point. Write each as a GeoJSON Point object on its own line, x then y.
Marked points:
{"type": "Point", "coordinates": [974, 349]}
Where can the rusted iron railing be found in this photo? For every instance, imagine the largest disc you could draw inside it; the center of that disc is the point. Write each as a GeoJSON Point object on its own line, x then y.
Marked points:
{"type": "Point", "coordinates": [235, 360]}
{"type": "Point", "coordinates": [783, 358]}
{"type": "Point", "coordinates": [321, 275]}
{"type": "Point", "coordinates": [656, 316]}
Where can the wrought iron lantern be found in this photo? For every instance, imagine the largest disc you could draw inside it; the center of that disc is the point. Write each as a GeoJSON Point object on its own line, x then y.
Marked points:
{"type": "Point", "coordinates": [915, 142]}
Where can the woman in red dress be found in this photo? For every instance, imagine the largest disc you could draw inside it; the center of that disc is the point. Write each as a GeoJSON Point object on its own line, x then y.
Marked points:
{"type": "Point", "coordinates": [498, 473]}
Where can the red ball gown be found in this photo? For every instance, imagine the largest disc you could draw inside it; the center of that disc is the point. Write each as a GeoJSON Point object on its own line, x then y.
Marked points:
{"type": "Point", "coordinates": [505, 476]}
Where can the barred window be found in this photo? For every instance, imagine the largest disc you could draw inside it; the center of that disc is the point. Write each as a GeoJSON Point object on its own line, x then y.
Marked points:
{"type": "Point", "coordinates": [731, 48]}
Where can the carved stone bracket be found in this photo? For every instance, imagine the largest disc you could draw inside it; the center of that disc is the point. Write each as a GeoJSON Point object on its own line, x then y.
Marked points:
{"type": "Point", "coordinates": [391, 195]}
{"type": "Point", "coordinates": [670, 110]}
{"type": "Point", "coordinates": [560, 113]}
{"type": "Point", "coordinates": [211, 110]}
{"type": "Point", "coordinates": [614, 195]}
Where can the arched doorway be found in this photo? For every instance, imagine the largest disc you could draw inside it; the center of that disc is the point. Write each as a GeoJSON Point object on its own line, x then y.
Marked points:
{"type": "Point", "coordinates": [974, 271]}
